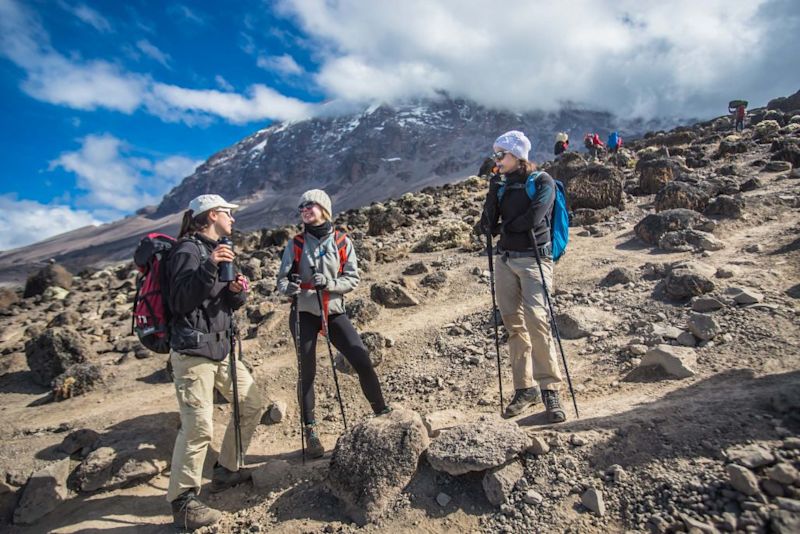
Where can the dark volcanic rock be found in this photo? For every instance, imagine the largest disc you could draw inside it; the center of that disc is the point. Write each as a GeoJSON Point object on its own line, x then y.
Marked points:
{"type": "Point", "coordinates": [596, 187]}
{"type": "Point", "coordinates": [653, 226]}
{"type": "Point", "coordinates": [655, 174]}
{"type": "Point", "coordinates": [78, 379]}
{"type": "Point", "coordinates": [725, 206]}
{"type": "Point", "coordinates": [52, 352]}
{"type": "Point", "coordinates": [375, 460]}
{"type": "Point", "coordinates": [361, 311]}
{"type": "Point", "coordinates": [51, 275]}
{"type": "Point", "coordinates": [681, 195]}
{"type": "Point", "coordinates": [689, 279]}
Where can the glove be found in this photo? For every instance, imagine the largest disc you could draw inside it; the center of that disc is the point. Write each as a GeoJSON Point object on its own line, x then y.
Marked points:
{"type": "Point", "coordinates": [320, 281]}
{"type": "Point", "coordinates": [292, 289]}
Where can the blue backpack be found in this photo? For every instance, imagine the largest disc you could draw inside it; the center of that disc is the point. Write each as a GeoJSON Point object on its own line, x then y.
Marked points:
{"type": "Point", "coordinates": [559, 219]}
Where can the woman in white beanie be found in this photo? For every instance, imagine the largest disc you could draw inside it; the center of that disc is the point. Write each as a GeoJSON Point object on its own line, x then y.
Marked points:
{"type": "Point", "coordinates": [324, 258]}
{"type": "Point", "coordinates": [512, 213]}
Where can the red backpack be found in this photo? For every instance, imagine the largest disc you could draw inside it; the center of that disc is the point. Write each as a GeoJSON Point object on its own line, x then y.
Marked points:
{"type": "Point", "coordinates": [150, 311]}
{"type": "Point", "coordinates": [341, 247]}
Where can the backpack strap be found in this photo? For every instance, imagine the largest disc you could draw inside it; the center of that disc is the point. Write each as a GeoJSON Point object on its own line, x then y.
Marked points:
{"type": "Point", "coordinates": [340, 238]}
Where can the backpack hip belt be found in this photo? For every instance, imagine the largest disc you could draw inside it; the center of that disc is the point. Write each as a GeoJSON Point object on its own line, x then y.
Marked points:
{"type": "Point", "coordinates": [544, 251]}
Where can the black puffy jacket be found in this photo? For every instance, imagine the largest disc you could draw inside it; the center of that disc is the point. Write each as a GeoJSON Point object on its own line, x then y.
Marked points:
{"type": "Point", "coordinates": [201, 305]}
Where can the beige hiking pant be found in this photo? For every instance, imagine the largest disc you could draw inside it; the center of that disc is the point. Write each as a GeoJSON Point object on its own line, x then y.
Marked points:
{"type": "Point", "coordinates": [520, 297]}
{"type": "Point", "coordinates": [195, 380]}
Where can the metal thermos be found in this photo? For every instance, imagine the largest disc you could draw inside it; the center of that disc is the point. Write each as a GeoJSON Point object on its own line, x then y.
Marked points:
{"type": "Point", "coordinates": [226, 270]}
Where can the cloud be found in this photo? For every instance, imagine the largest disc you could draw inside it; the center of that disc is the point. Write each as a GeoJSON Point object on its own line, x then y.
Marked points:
{"type": "Point", "coordinates": [33, 221]}
{"type": "Point", "coordinates": [110, 176]}
{"type": "Point", "coordinates": [151, 51]}
{"type": "Point", "coordinates": [90, 84]}
{"type": "Point", "coordinates": [222, 83]}
{"type": "Point", "coordinates": [283, 64]}
{"type": "Point", "coordinates": [89, 16]}
{"type": "Point", "coordinates": [646, 58]}
{"type": "Point", "coordinates": [187, 14]}
{"type": "Point", "coordinates": [260, 103]}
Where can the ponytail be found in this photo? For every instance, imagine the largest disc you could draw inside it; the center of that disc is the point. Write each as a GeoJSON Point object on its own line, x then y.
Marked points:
{"type": "Point", "coordinates": [191, 224]}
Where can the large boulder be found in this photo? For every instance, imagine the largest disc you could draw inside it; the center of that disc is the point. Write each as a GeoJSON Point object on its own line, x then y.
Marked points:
{"type": "Point", "coordinates": [51, 353]}
{"type": "Point", "coordinates": [78, 379]}
{"type": "Point", "coordinates": [391, 295]}
{"type": "Point", "coordinates": [681, 195]}
{"type": "Point", "coordinates": [361, 311]}
{"type": "Point", "coordinates": [581, 321]}
{"type": "Point", "coordinates": [445, 236]}
{"type": "Point", "coordinates": [596, 187]}
{"type": "Point", "coordinates": [785, 103]}
{"type": "Point", "coordinates": [653, 226]}
{"type": "Point", "coordinates": [567, 166]}
{"type": "Point", "coordinates": [671, 139]}
{"type": "Point", "coordinates": [383, 220]}
{"type": "Point", "coordinates": [375, 460]}
{"type": "Point", "coordinates": [586, 216]}
{"type": "Point", "coordinates": [687, 240]}
{"type": "Point", "coordinates": [731, 145]}
{"type": "Point", "coordinates": [109, 468]}
{"type": "Point", "coordinates": [689, 279]}
{"type": "Point", "coordinates": [8, 297]}
{"type": "Point", "coordinates": [51, 275]}
{"type": "Point", "coordinates": [476, 446]}
{"type": "Point", "coordinates": [655, 173]}
{"type": "Point", "coordinates": [766, 129]}
{"type": "Point", "coordinates": [44, 491]}
{"type": "Point", "coordinates": [725, 206]}
{"type": "Point", "coordinates": [675, 361]}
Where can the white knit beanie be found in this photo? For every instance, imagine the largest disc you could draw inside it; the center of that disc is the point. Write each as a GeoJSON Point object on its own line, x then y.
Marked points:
{"type": "Point", "coordinates": [320, 197]}
{"type": "Point", "coordinates": [515, 142]}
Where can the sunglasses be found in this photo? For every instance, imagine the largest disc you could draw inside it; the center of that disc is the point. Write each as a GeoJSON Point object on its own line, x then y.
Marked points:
{"type": "Point", "coordinates": [500, 154]}
{"type": "Point", "coordinates": [226, 212]}
{"type": "Point", "coordinates": [306, 206]}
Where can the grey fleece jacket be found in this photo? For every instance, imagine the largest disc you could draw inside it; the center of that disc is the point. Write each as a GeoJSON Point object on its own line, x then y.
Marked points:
{"type": "Point", "coordinates": [323, 255]}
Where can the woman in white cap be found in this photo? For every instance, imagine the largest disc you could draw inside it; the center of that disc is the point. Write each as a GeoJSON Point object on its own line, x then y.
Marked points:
{"type": "Point", "coordinates": [324, 258]}
{"type": "Point", "coordinates": [202, 307]}
{"type": "Point", "coordinates": [512, 213]}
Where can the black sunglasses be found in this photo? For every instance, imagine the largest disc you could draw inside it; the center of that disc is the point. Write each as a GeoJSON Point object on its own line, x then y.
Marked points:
{"type": "Point", "coordinates": [500, 154]}
{"type": "Point", "coordinates": [306, 205]}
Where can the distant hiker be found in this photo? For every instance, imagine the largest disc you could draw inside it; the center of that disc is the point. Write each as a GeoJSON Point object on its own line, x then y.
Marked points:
{"type": "Point", "coordinates": [325, 258]}
{"type": "Point", "coordinates": [562, 144]}
{"type": "Point", "coordinates": [202, 309]}
{"type": "Point", "coordinates": [520, 294]}
{"type": "Point", "coordinates": [593, 144]}
{"type": "Point", "coordinates": [614, 142]}
{"type": "Point", "coordinates": [740, 113]}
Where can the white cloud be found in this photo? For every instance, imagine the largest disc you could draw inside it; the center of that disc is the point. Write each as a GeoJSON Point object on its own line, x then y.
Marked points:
{"type": "Point", "coordinates": [112, 178]}
{"type": "Point", "coordinates": [261, 102]}
{"type": "Point", "coordinates": [283, 64]}
{"type": "Point", "coordinates": [89, 16]}
{"type": "Point", "coordinates": [71, 81]}
{"type": "Point", "coordinates": [153, 52]}
{"type": "Point", "coordinates": [187, 14]}
{"type": "Point", "coordinates": [222, 83]}
{"type": "Point", "coordinates": [651, 58]}
{"type": "Point", "coordinates": [33, 221]}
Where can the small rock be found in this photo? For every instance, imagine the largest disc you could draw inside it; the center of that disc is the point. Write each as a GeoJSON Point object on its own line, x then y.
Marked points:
{"type": "Point", "coordinates": [687, 339]}
{"type": "Point", "coordinates": [751, 456]}
{"type": "Point", "coordinates": [498, 483]}
{"type": "Point", "coordinates": [742, 479]}
{"type": "Point", "coordinates": [277, 411]}
{"type": "Point", "coordinates": [45, 489]}
{"type": "Point", "coordinates": [676, 361]}
{"type": "Point", "coordinates": [79, 440]}
{"type": "Point", "coordinates": [748, 296]}
{"type": "Point", "coordinates": [593, 500]}
{"type": "Point", "coordinates": [435, 422]}
{"type": "Point", "coordinates": [476, 446]}
{"type": "Point", "coordinates": [703, 326]}
{"type": "Point", "coordinates": [577, 440]}
{"type": "Point", "coordinates": [275, 474]}
{"type": "Point", "coordinates": [538, 446]}
{"type": "Point", "coordinates": [785, 473]}
{"type": "Point", "coordinates": [443, 499]}
{"type": "Point", "coordinates": [533, 497]}
{"type": "Point", "coordinates": [791, 505]}
{"type": "Point", "coordinates": [706, 304]}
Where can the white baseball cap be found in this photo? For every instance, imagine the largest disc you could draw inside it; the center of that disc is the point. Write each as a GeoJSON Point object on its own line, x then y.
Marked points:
{"type": "Point", "coordinates": [203, 203]}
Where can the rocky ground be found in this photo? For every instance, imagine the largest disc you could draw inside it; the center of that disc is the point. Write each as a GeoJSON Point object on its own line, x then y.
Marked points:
{"type": "Point", "coordinates": [677, 301]}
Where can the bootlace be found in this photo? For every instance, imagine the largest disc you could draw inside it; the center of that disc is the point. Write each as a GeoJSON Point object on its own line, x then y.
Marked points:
{"type": "Point", "coordinates": [551, 400]}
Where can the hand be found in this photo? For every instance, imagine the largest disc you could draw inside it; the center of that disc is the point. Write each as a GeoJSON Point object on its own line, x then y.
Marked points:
{"type": "Point", "coordinates": [222, 253]}
{"type": "Point", "coordinates": [319, 280]}
{"type": "Point", "coordinates": [240, 284]}
{"type": "Point", "coordinates": [292, 289]}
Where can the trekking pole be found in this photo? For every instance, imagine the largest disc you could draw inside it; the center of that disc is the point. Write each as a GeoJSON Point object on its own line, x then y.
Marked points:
{"type": "Point", "coordinates": [330, 349]}
{"type": "Point", "coordinates": [489, 254]}
{"type": "Point", "coordinates": [235, 382]}
{"type": "Point", "coordinates": [553, 324]}
{"type": "Point", "coordinates": [296, 279]}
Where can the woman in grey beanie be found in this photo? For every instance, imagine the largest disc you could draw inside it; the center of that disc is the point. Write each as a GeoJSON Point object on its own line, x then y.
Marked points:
{"type": "Point", "coordinates": [524, 223]}
{"type": "Point", "coordinates": [324, 258]}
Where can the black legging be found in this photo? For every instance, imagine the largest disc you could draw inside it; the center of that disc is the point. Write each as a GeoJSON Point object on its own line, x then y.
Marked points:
{"type": "Point", "coordinates": [345, 338]}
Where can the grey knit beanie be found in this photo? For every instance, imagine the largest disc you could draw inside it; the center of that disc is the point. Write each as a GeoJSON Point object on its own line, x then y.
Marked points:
{"type": "Point", "coordinates": [320, 197]}
{"type": "Point", "coordinates": [515, 142]}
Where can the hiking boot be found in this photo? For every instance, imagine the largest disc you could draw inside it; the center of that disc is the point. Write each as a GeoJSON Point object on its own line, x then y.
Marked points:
{"type": "Point", "coordinates": [522, 399]}
{"type": "Point", "coordinates": [552, 404]}
{"type": "Point", "coordinates": [225, 478]}
{"type": "Point", "coordinates": [314, 448]}
{"type": "Point", "coordinates": [189, 513]}
{"type": "Point", "coordinates": [387, 409]}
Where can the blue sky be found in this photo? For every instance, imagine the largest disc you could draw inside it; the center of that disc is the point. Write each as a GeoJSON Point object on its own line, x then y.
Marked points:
{"type": "Point", "coordinates": [107, 105]}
